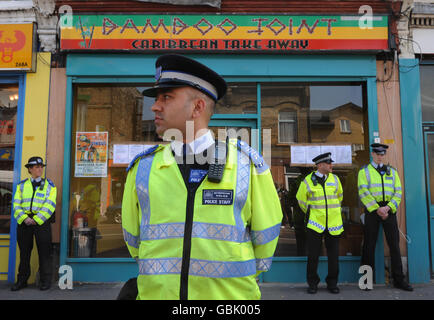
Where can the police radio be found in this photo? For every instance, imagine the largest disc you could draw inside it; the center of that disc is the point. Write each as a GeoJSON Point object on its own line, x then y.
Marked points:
{"type": "Point", "coordinates": [215, 171]}
{"type": "Point", "coordinates": [388, 170]}
{"type": "Point", "coordinates": [314, 179]}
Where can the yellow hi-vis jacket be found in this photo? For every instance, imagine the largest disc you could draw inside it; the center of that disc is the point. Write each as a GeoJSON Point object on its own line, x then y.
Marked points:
{"type": "Point", "coordinates": [322, 204]}
{"type": "Point", "coordinates": [375, 188]}
{"type": "Point", "coordinates": [232, 236]}
{"type": "Point", "coordinates": [39, 203]}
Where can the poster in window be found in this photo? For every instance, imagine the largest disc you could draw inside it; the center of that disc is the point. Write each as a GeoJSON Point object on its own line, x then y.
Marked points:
{"type": "Point", "coordinates": [91, 154]}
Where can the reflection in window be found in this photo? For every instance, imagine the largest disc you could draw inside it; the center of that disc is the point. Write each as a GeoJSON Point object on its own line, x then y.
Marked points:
{"type": "Point", "coordinates": [427, 93]}
{"type": "Point", "coordinates": [239, 97]}
{"type": "Point", "coordinates": [111, 125]}
{"type": "Point", "coordinates": [8, 121]}
{"type": "Point", "coordinates": [345, 126]}
{"type": "Point", "coordinates": [287, 126]}
{"type": "Point", "coordinates": [315, 115]}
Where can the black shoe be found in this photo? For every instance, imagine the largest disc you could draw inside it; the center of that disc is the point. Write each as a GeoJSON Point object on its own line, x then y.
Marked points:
{"type": "Point", "coordinates": [19, 285]}
{"type": "Point", "coordinates": [44, 287]}
{"type": "Point", "coordinates": [312, 289]}
{"type": "Point", "coordinates": [334, 290]}
{"type": "Point", "coordinates": [403, 286]}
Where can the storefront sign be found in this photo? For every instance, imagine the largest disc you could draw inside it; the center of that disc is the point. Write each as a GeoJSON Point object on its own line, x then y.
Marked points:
{"type": "Point", "coordinates": [224, 33]}
{"type": "Point", "coordinates": [91, 154]}
{"type": "Point", "coordinates": [17, 47]}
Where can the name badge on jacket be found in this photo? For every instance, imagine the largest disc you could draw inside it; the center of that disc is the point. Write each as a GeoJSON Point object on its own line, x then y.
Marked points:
{"type": "Point", "coordinates": [218, 197]}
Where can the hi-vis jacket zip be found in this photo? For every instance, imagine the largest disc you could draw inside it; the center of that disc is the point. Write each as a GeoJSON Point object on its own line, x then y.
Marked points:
{"type": "Point", "coordinates": [232, 233]}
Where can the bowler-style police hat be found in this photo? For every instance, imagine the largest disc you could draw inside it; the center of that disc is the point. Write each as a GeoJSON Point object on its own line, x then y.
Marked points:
{"type": "Point", "coordinates": [173, 70]}
{"type": "Point", "coordinates": [34, 161]}
{"type": "Point", "coordinates": [379, 148]}
{"type": "Point", "coordinates": [325, 157]}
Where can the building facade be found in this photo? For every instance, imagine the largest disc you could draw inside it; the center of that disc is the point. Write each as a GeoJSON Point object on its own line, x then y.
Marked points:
{"type": "Point", "coordinates": [303, 78]}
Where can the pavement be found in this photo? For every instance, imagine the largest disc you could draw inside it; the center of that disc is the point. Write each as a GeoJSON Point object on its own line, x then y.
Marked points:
{"type": "Point", "coordinates": [270, 291]}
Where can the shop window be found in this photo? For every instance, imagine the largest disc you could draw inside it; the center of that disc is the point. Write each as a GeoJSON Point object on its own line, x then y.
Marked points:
{"type": "Point", "coordinates": [287, 126]}
{"type": "Point", "coordinates": [427, 93]}
{"type": "Point", "coordinates": [308, 114]}
{"type": "Point", "coordinates": [8, 121]}
{"type": "Point", "coordinates": [111, 125]}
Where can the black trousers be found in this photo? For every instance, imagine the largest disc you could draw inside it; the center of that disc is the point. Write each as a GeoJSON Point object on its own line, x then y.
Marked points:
{"type": "Point", "coordinates": [25, 243]}
{"type": "Point", "coordinates": [314, 243]}
{"type": "Point", "coordinates": [390, 226]}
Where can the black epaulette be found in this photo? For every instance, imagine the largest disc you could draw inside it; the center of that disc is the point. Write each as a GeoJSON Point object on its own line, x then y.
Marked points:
{"type": "Point", "coordinates": [51, 183]}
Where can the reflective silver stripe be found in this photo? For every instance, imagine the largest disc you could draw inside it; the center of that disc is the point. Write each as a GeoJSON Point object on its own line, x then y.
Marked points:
{"type": "Point", "coordinates": [332, 196]}
{"type": "Point", "coordinates": [242, 187]}
{"type": "Point", "coordinates": [376, 185]}
{"type": "Point", "coordinates": [368, 176]}
{"type": "Point", "coordinates": [316, 198]}
{"type": "Point", "coordinates": [307, 186]}
{"type": "Point", "coordinates": [397, 195]}
{"type": "Point", "coordinates": [131, 240]}
{"type": "Point", "coordinates": [42, 217]}
{"type": "Point", "coordinates": [201, 268]}
{"type": "Point", "coordinates": [370, 204]}
{"type": "Point", "coordinates": [394, 203]}
{"type": "Point", "coordinates": [214, 231]}
{"type": "Point", "coordinates": [302, 203]}
{"type": "Point", "coordinates": [265, 236]}
{"type": "Point", "coordinates": [363, 186]}
{"type": "Point", "coordinates": [318, 206]}
{"type": "Point", "coordinates": [398, 188]}
{"type": "Point", "coordinates": [264, 264]}
{"type": "Point", "coordinates": [142, 187]}
{"type": "Point", "coordinates": [329, 206]}
{"type": "Point", "coordinates": [365, 194]}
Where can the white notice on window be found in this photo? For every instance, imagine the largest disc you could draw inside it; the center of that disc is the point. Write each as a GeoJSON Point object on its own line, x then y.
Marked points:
{"type": "Point", "coordinates": [298, 155]}
{"type": "Point", "coordinates": [343, 154]}
{"type": "Point", "coordinates": [120, 154]}
{"type": "Point", "coordinates": [312, 152]}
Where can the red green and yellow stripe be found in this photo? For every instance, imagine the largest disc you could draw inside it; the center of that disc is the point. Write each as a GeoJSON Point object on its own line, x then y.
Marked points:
{"type": "Point", "coordinates": [216, 32]}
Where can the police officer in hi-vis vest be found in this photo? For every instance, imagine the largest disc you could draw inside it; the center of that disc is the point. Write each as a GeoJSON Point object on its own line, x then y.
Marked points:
{"type": "Point", "coordinates": [380, 192]}
{"type": "Point", "coordinates": [34, 204]}
{"type": "Point", "coordinates": [320, 196]}
{"type": "Point", "coordinates": [200, 216]}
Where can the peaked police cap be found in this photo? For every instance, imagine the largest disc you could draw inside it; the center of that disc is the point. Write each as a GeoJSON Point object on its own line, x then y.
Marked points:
{"type": "Point", "coordinates": [34, 161]}
{"type": "Point", "coordinates": [325, 157]}
{"type": "Point", "coordinates": [379, 148]}
{"type": "Point", "coordinates": [173, 70]}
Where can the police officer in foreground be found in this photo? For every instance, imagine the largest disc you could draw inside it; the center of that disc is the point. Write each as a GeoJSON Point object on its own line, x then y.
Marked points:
{"type": "Point", "coordinates": [380, 192]}
{"type": "Point", "coordinates": [200, 216]}
{"type": "Point", "coordinates": [34, 205]}
{"type": "Point", "coordinates": [320, 196]}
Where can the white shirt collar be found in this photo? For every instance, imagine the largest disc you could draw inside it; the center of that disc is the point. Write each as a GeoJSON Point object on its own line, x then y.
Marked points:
{"type": "Point", "coordinates": [36, 180]}
{"type": "Point", "coordinates": [195, 147]}
{"type": "Point", "coordinates": [319, 174]}
{"type": "Point", "coordinates": [376, 165]}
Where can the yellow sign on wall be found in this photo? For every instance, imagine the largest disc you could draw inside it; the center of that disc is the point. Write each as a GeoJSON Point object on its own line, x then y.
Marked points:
{"type": "Point", "coordinates": [17, 47]}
